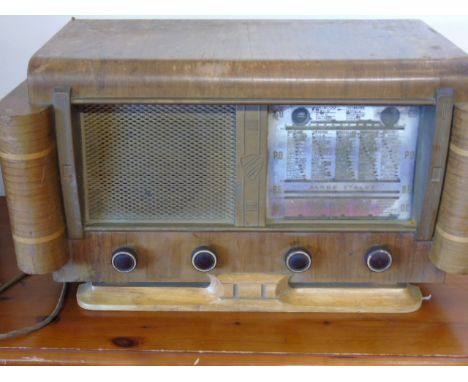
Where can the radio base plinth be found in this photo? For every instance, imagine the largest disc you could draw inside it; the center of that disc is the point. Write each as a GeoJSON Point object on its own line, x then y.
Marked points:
{"type": "Point", "coordinates": [251, 293]}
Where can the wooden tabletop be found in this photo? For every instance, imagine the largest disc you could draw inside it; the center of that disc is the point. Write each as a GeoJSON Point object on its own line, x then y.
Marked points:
{"type": "Point", "coordinates": [436, 334]}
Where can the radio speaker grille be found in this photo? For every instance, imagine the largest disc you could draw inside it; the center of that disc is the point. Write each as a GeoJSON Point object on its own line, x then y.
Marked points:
{"type": "Point", "coordinates": [159, 163]}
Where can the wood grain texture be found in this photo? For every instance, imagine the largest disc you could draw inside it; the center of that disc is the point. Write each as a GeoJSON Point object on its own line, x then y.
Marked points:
{"type": "Point", "coordinates": [251, 165]}
{"type": "Point", "coordinates": [450, 251]}
{"type": "Point", "coordinates": [166, 256]}
{"type": "Point", "coordinates": [436, 143]}
{"type": "Point", "coordinates": [437, 334]}
{"type": "Point", "coordinates": [242, 60]}
{"type": "Point", "coordinates": [251, 293]}
{"type": "Point", "coordinates": [29, 165]}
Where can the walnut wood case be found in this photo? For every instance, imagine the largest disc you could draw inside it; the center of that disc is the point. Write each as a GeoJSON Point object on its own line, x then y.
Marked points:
{"type": "Point", "coordinates": [245, 67]}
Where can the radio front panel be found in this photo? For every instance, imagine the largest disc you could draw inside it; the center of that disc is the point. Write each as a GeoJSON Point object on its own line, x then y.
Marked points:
{"type": "Point", "coordinates": [254, 167]}
{"type": "Point", "coordinates": [167, 256]}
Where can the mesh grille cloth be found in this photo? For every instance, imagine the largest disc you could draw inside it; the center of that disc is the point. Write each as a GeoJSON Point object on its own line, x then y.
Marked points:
{"type": "Point", "coordinates": [159, 163]}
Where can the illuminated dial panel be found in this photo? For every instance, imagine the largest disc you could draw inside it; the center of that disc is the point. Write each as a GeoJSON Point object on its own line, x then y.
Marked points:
{"type": "Point", "coordinates": [341, 162]}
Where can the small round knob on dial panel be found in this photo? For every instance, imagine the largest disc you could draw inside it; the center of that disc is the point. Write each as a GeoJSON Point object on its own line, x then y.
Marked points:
{"type": "Point", "coordinates": [124, 259]}
{"type": "Point", "coordinates": [300, 116]}
{"type": "Point", "coordinates": [378, 259]}
{"type": "Point", "coordinates": [390, 115]}
{"type": "Point", "coordinates": [298, 260]}
{"type": "Point", "coordinates": [204, 259]}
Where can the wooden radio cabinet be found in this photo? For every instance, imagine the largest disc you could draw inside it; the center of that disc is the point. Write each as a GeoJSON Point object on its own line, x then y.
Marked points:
{"type": "Point", "coordinates": [288, 165]}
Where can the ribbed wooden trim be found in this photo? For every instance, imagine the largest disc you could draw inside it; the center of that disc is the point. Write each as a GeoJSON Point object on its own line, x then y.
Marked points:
{"type": "Point", "coordinates": [458, 150]}
{"type": "Point", "coordinates": [448, 236]}
{"type": "Point", "coordinates": [36, 259]}
{"type": "Point", "coordinates": [450, 250]}
{"type": "Point", "coordinates": [456, 261]}
{"type": "Point", "coordinates": [25, 134]}
{"type": "Point", "coordinates": [37, 155]}
{"type": "Point", "coordinates": [462, 107]}
{"type": "Point", "coordinates": [30, 172]}
{"type": "Point", "coordinates": [39, 240]}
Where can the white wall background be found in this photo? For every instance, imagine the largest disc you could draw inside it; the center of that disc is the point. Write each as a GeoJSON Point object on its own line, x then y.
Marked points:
{"type": "Point", "coordinates": [22, 36]}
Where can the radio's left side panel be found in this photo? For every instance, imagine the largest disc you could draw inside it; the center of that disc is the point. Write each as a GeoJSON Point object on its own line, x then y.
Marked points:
{"type": "Point", "coordinates": [29, 165]}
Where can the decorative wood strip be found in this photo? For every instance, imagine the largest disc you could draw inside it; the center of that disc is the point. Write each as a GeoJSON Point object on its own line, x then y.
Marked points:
{"type": "Point", "coordinates": [251, 163]}
{"type": "Point", "coordinates": [24, 157]}
{"type": "Point", "coordinates": [450, 252]}
{"type": "Point", "coordinates": [39, 240]}
{"type": "Point", "coordinates": [449, 236]}
{"type": "Point", "coordinates": [66, 157]}
{"type": "Point", "coordinates": [458, 150]}
{"type": "Point", "coordinates": [436, 166]}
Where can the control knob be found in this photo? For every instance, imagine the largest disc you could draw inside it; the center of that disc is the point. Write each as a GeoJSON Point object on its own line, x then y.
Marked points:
{"type": "Point", "coordinates": [124, 259]}
{"type": "Point", "coordinates": [204, 259]}
{"type": "Point", "coordinates": [378, 258]}
{"type": "Point", "coordinates": [298, 260]}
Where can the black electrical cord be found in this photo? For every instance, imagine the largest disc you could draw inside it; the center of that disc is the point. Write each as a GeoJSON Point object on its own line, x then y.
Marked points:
{"type": "Point", "coordinates": [39, 325]}
{"type": "Point", "coordinates": [13, 281]}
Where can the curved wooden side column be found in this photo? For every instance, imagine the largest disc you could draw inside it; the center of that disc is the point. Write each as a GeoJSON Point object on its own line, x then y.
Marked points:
{"type": "Point", "coordinates": [450, 250]}
{"type": "Point", "coordinates": [29, 165]}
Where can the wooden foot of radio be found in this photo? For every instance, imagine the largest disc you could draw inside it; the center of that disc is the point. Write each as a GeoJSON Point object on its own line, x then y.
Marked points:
{"type": "Point", "coordinates": [251, 293]}
{"type": "Point", "coordinates": [217, 153]}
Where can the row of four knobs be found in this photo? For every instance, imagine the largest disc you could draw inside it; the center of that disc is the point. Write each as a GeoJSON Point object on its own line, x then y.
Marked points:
{"type": "Point", "coordinates": [204, 259]}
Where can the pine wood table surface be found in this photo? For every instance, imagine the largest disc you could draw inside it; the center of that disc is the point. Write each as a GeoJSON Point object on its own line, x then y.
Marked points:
{"type": "Point", "coordinates": [436, 334]}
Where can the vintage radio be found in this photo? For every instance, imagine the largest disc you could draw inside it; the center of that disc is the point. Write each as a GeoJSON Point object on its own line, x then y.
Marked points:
{"type": "Point", "coordinates": [241, 165]}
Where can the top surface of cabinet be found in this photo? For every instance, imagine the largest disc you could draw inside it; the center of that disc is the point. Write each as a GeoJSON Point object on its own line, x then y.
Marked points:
{"type": "Point", "coordinates": [238, 58]}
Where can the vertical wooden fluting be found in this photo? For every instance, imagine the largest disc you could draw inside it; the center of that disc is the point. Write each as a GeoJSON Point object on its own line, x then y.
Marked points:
{"type": "Point", "coordinates": [29, 165]}
{"type": "Point", "coordinates": [450, 250]}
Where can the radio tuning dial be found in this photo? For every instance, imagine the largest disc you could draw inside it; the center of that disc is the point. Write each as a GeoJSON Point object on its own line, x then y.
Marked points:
{"type": "Point", "coordinates": [298, 260]}
{"type": "Point", "coordinates": [204, 259]}
{"type": "Point", "coordinates": [378, 259]}
{"type": "Point", "coordinates": [124, 259]}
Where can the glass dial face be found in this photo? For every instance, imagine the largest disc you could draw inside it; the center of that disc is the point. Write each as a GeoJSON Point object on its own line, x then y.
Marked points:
{"type": "Point", "coordinates": [341, 162]}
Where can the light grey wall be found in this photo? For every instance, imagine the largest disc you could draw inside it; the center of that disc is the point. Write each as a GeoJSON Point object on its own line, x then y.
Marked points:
{"type": "Point", "coordinates": [22, 36]}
